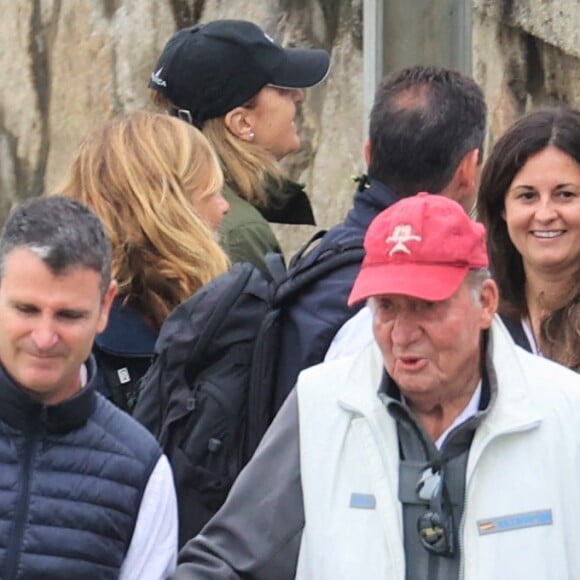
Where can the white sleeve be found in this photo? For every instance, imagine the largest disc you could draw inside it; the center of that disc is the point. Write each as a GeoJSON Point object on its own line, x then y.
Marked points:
{"type": "Point", "coordinates": [152, 554]}
{"type": "Point", "coordinates": [354, 335]}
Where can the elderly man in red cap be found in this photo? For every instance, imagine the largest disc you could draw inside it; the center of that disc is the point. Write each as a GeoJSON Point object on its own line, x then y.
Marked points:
{"type": "Point", "coordinates": [440, 451]}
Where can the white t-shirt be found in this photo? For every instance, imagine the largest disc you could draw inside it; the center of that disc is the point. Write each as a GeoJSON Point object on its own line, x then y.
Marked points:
{"type": "Point", "coordinates": [152, 554]}
{"type": "Point", "coordinates": [469, 411]}
{"type": "Point", "coordinates": [353, 336]}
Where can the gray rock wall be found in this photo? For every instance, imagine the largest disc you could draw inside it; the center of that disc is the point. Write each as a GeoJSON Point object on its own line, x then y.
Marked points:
{"type": "Point", "coordinates": [69, 64]}
{"type": "Point", "coordinates": [526, 53]}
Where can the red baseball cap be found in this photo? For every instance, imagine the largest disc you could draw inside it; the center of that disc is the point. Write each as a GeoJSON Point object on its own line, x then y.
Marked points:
{"type": "Point", "coordinates": [422, 246]}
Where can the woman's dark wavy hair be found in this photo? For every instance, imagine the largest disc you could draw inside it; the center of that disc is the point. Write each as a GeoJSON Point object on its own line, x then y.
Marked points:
{"type": "Point", "coordinates": [560, 128]}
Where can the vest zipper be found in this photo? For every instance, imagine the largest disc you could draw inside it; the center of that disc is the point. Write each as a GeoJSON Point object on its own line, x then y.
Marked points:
{"type": "Point", "coordinates": [460, 539]}
{"type": "Point", "coordinates": [13, 551]}
{"type": "Point", "coordinates": [469, 476]}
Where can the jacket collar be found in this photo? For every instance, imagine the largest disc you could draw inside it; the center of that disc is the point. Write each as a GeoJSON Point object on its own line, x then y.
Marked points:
{"type": "Point", "coordinates": [19, 410]}
{"type": "Point", "coordinates": [369, 201]}
{"type": "Point", "coordinates": [512, 410]}
{"type": "Point", "coordinates": [288, 205]}
{"type": "Point", "coordinates": [126, 332]}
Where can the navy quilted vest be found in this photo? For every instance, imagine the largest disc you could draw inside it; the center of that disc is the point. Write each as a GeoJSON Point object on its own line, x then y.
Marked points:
{"type": "Point", "coordinates": [72, 477]}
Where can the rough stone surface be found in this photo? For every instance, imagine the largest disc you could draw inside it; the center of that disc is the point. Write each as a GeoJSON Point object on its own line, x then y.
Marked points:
{"type": "Point", "coordinates": [526, 53]}
{"type": "Point", "coordinates": [68, 65]}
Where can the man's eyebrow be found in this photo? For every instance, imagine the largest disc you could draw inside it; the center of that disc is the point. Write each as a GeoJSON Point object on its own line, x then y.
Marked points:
{"type": "Point", "coordinates": [64, 311]}
{"type": "Point", "coordinates": [21, 302]}
{"type": "Point", "coordinates": [72, 311]}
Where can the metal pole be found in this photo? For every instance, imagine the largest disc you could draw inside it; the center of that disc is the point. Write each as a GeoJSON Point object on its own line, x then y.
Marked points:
{"type": "Point", "coordinates": [372, 54]}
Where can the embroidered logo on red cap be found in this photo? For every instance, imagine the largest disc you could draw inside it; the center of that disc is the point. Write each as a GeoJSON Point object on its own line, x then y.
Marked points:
{"type": "Point", "coordinates": [402, 234]}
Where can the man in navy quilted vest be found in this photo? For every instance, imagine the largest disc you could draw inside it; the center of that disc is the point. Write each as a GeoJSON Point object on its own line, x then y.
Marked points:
{"type": "Point", "coordinates": [85, 491]}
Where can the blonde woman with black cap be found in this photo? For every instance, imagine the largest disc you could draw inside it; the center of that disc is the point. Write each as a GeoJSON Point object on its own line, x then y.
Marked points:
{"type": "Point", "coordinates": [237, 84]}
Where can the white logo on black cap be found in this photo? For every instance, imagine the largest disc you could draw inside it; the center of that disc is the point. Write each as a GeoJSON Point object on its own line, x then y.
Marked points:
{"type": "Point", "coordinates": [402, 235]}
{"type": "Point", "coordinates": [156, 78]}
{"type": "Point", "coordinates": [270, 38]}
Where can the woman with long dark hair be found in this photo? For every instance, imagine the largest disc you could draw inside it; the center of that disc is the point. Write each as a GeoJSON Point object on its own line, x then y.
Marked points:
{"type": "Point", "coordinates": [529, 200]}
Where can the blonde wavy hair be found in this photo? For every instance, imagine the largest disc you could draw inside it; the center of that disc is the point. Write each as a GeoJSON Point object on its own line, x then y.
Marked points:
{"type": "Point", "coordinates": [249, 169]}
{"type": "Point", "coordinates": [140, 173]}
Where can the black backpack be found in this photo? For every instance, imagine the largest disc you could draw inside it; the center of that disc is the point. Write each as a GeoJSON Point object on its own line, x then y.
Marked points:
{"type": "Point", "coordinates": [208, 395]}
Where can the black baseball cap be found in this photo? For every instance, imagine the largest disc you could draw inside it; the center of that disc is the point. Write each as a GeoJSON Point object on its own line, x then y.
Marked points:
{"type": "Point", "coordinates": [209, 69]}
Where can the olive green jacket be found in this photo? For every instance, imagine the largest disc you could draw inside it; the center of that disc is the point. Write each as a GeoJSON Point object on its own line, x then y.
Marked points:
{"type": "Point", "coordinates": [245, 232]}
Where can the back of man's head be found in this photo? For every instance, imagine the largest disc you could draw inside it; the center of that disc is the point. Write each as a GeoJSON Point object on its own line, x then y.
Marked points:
{"type": "Point", "coordinates": [62, 232]}
{"type": "Point", "coordinates": [423, 122]}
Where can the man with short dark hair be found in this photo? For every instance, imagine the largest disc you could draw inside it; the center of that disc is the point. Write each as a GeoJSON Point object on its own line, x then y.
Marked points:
{"type": "Point", "coordinates": [426, 133]}
{"type": "Point", "coordinates": [441, 451]}
{"type": "Point", "coordinates": [86, 491]}
{"type": "Point", "coordinates": [425, 123]}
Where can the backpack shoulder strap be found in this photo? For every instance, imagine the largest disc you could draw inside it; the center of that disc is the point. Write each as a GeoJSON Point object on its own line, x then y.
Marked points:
{"type": "Point", "coordinates": [302, 274]}
{"type": "Point", "coordinates": [308, 245]}
{"type": "Point", "coordinates": [276, 265]}
{"type": "Point", "coordinates": [516, 331]}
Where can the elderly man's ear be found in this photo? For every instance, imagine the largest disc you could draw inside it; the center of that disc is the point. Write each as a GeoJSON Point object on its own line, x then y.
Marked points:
{"type": "Point", "coordinates": [489, 301]}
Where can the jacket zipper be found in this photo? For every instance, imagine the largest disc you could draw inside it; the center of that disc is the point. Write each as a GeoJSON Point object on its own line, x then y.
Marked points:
{"type": "Point", "coordinates": [468, 479]}
{"type": "Point", "coordinates": [13, 552]}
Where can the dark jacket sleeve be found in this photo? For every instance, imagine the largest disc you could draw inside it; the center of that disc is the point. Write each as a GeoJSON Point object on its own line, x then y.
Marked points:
{"type": "Point", "coordinates": [256, 534]}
